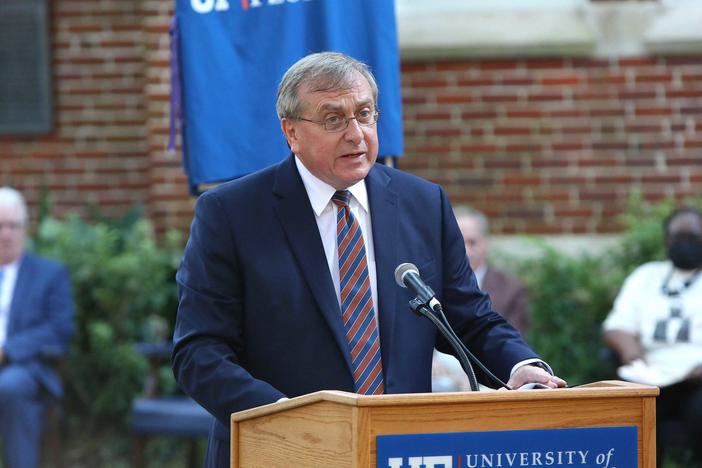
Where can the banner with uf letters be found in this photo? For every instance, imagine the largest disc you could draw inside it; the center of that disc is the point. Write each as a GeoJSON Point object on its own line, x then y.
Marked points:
{"type": "Point", "coordinates": [598, 447]}
{"type": "Point", "coordinates": [232, 54]}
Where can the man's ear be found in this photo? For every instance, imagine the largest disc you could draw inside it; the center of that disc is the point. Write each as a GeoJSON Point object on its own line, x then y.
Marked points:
{"type": "Point", "coordinates": [290, 132]}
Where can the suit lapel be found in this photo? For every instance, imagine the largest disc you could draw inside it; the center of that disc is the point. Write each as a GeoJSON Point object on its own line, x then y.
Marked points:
{"type": "Point", "coordinates": [385, 220]}
{"type": "Point", "coordinates": [20, 292]}
{"type": "Point", "coordinates": [292, 205]}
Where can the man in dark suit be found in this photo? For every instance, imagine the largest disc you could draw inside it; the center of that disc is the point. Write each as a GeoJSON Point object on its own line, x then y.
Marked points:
{"type": "Point", "coordinates": [508, 294]}
{"type": "Point", "coordinates": [270, 307]}
{"type": "Point", "coordinates": [36, 322]}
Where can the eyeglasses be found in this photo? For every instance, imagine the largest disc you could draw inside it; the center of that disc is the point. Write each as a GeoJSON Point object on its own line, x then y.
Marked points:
{"type": "Point", "coordinates": [339, 123]}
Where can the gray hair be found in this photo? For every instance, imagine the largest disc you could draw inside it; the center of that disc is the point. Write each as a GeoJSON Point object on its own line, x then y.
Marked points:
{"type": "Point", "coordinates": [322, 71]}
{"type": "Point", "coordinates": [11, 197]}
{"type": "Point", "coordinates": [467, 211]}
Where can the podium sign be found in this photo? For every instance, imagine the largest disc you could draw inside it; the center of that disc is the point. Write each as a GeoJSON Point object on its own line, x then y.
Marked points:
{"type": "Point", "coordinates": [602, 447]}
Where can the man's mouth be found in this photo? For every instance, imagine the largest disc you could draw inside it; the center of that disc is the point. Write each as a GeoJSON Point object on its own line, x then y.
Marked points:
{"type": "Point", "coordinates": [353, 155]}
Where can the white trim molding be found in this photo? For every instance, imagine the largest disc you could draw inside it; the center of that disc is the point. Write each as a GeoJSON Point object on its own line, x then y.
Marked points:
{"type": "Point", "coordinates": [445, 29]}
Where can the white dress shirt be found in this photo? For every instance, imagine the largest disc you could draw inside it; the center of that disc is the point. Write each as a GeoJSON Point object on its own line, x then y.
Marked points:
{"type": "Point", "coordinates": [6, 291]}
{"type": "Point", "coordinates": [320, 194]}
{"type": "Point", "coordinates": [480, 274]}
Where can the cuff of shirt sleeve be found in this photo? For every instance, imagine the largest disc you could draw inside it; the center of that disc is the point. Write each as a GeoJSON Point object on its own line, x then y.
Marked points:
{"type": "Point", "coordinates": [531, 362]}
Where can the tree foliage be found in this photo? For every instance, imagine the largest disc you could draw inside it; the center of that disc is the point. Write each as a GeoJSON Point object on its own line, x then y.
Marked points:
{"type": "Point", "coordinates": [124, 292]}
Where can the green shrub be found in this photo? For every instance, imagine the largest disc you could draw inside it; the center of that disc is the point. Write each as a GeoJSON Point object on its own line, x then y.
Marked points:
{"type": "Point", "coordinates": [124, 292]}
{"type": "Point", "coordinates": [570, 296]}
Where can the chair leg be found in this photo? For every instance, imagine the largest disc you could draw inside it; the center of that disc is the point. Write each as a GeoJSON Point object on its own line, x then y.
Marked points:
{"type": "Point", "coordinates": [193, 455]}
{"type": "Point", "coordinates": [56, 447]}
{"type": "Point", "coordinates": [139, 452]}
{"type": "Point", "coordinates": [52, 438]}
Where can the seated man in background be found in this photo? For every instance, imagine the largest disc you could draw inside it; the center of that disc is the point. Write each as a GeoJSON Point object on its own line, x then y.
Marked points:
{"type": "Point", "coordinates": [655, 326]}
{"type": "Point", "coordinates": [36, 322]}
{"type": "Point", "coordinates": [508, 294]}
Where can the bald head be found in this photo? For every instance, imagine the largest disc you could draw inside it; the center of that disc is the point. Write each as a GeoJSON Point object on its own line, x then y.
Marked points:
{"type": "Point", "coordinates": [474, 227]}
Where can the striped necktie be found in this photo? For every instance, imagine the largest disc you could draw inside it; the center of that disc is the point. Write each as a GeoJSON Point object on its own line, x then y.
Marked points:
{"type": "Point", "coordinates": [357, 301]}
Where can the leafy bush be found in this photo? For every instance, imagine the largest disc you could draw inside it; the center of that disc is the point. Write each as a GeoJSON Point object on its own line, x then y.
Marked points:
{"type": "Point", "coordinates": [642, 241]}
{"type": "Point", "coordinates": [570, 297]}
{"type": "Point", "coordinates": [124, 291]}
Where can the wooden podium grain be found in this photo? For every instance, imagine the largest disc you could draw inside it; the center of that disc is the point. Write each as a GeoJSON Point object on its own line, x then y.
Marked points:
{"type": "Point", "coordinates": [338, 429]}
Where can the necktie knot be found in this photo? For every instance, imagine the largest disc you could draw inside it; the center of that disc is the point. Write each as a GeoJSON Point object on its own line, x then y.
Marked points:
{"type": "Point", "coordinates": [341, 197]}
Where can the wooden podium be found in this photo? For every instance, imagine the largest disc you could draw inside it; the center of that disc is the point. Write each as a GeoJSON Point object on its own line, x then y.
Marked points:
{"type": "Point", "coordinates": [339, 429]}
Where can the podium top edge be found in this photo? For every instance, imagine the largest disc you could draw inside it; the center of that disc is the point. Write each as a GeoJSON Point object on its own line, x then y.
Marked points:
{"type": "Point", "coordinates": [602, 389]}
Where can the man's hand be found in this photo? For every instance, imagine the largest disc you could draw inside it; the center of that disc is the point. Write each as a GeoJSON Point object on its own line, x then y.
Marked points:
{"type": "Point", "coordinates": [695, 374]}
{"type": "Point", "coordinates": [533, 374]}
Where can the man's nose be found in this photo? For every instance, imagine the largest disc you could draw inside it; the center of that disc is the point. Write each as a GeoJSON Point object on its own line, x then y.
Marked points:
{"type": "Point", "coordinates": [354, 132]}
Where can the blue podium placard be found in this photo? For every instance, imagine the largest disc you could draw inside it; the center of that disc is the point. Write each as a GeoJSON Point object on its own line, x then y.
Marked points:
{"type": "Point", "coordinates": [601, 447]}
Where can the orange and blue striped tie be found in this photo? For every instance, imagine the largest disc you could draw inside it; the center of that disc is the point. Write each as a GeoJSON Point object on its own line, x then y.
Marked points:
{"type": "Point", "coordinates": [357, 301]}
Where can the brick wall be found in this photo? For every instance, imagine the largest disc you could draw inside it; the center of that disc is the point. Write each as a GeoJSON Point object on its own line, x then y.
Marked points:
{"type": "Point", "coordinates": [542, 146]}
{"type": "Point", "coordinates": [110, 79]}
{"type": "Point", "coordinates": [555, 146]}
{"type": "Point", "coordinates": [97, 153]}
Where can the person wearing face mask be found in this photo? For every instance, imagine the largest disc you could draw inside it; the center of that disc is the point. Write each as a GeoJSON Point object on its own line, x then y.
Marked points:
{"type": "Point", "coordinates": [655, 326]}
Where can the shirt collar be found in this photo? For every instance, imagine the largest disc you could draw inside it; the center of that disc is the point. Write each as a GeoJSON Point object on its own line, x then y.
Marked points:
{"type": "Point", "coordinates": [11, 267]}
{"type": "Point", "coordinates": [480, 274]}
{"type": "Point", "coordinates": [9, 275]}
{"type": "Point", "coordinates": [320, 193]}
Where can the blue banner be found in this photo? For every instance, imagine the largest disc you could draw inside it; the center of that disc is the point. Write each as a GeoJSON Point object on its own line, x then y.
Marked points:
{"type": "Point", "coordinates": [601, 447]}
{"type": "Point", "coordinates": [232, 54]}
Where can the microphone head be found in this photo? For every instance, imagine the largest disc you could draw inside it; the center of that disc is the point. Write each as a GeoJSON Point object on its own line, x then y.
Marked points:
{"type": "Point", "coordinates": [401, 270]}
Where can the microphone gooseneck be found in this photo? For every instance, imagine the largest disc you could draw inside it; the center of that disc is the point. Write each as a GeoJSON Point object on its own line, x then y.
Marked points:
{"type": "Point", "coordinates": [426, 304]}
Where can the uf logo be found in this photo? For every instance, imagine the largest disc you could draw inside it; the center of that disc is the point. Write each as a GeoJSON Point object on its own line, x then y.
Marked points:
{"type": "Point", "coordinates": [444, 461]}
{"type": "Point", "coordinates": [206, 6]}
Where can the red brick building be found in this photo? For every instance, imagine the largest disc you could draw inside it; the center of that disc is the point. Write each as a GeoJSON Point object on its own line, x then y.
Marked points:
{"type": "Point", "coordinates": [545, 140]}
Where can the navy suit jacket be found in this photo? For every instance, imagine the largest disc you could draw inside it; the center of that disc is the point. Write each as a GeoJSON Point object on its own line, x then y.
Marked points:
{"type": "Point", "coordinates": [41, 319]}
{"type": "Point", "coordinates": [259, 319]}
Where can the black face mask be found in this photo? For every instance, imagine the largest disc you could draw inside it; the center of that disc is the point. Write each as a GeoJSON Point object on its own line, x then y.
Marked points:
{"type": "Point", "coordinates": [685, 251]}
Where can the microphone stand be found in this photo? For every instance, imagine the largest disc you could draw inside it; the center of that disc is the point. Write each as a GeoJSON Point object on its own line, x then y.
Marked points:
{"type": "Point", "coordinates": [462, 351]}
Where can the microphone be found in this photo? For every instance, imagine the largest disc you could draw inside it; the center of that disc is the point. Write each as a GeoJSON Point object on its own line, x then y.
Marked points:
{"type": "Point", "coordinates": [407, 276]}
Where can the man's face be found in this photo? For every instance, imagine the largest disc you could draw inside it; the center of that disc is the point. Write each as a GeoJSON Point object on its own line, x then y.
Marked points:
{"type": "Point", "coordinates": [684, 225]}
{"type": "Point", "coordinates": [12, 233]}
{"type": "Point", "coordinates": [684, 241]}
{"type": "Point", "coordinates": [475, 241]}
{"type": "Point", "coordinates": [343, 158]}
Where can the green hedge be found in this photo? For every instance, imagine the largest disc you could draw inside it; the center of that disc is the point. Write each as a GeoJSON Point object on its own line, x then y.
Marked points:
{"type": "Point", "coordinates": [570, 297]}
{"type": "Point", "coordinates": [124, 292]}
